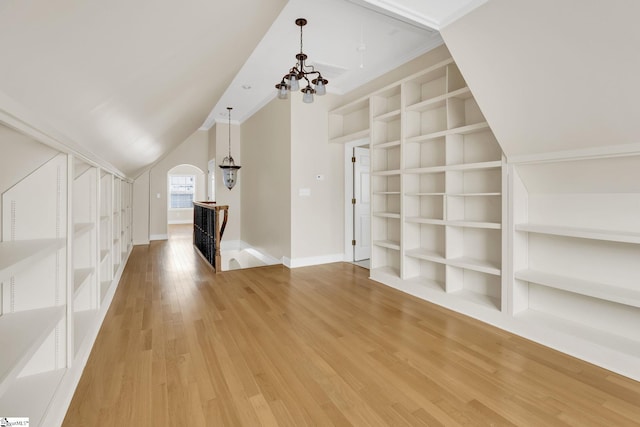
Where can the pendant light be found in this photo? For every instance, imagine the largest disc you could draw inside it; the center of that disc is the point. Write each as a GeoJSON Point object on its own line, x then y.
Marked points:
{"type": "Point", "coordinates": [301, 71]}
{"type": "Point", "coordinates": [228, 166]}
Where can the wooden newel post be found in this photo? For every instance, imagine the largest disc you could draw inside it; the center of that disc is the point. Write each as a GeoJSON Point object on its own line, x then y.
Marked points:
{"type": "Point", "coordinates": [208, 232]}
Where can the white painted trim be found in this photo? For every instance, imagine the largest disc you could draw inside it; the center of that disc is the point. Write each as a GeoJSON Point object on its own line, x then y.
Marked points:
{"type": "Point", "coordinates": [461, 12]}
{"type": "Point", "coordinates": [348, 184]}
{"type": "Point", "coordinates": [140, 242]}
{"type": "Point", "coordinates": [159, 237]}
{"type": "Point", "coordinates": [266, 258]}
{"type": "Point", "coordinates": [582, 154]}
{"type": "Point", "coordinates": [180, 221]}
{"type": "Point", "coordinates": [393, 9]}
{"type": "Point", "coordinates": [233, 245]}
{"type": "Point", "coordinates": [313, 260]}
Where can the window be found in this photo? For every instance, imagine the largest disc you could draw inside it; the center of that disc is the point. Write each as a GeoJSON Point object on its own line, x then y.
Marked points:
{"type": "Point", "coordinates": [181, 191]}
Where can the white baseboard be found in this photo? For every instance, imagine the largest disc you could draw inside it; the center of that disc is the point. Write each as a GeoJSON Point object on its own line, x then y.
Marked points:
{"type": "Point", "coordinates": [140, 242]}
{"type": "Point", "coordinates": [313, 260]}
{"type": "Point", "coordinates": [159, 237]}
{"type": "Point", "coordinates": [233, 245]}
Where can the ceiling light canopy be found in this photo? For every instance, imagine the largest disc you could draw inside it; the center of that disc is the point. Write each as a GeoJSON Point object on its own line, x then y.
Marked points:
{"type": "Point", "coordinates": [302, 71]}
{"type": "Point", "coordinates": [228, 166]}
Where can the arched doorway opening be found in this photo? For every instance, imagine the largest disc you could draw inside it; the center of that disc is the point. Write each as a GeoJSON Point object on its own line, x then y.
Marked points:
{"type": "Point", "coordinates": [185, 183]}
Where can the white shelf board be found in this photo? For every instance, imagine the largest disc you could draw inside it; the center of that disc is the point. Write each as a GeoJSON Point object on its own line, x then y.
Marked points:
{"type": "Point", "coordinates": [428, 136]}
{"type": "Point", "coordinates": [474, 264]}
{"type": "Point", "coordinates": [439, 101]}
{"type": "Point", "coordinates": [420, 220]}
{"type": "Point", "coordinates": [431, 169]}
{"type": "Point", "coordinates": [475, 224]}
{"type": "Point", "coordinates": [429, 104]}
{"type": "Point", "coordinates": [82, 321]}
{"type": "Point", "coordinates": [387, 117]}
{"type": "Point", "coordinates": [80, 277]}
{"type": "Point", "coordinates": [30, 396]}
{"type": "Point", "coordinates": [607, 339]}
{"type": "Point", "coordinates": [350, 137]}
{"type": "Point", "coordinates": [426, 255]}
{"type": "Point", "coordinates": [462, 93]}
{"type": "Point", "coordinates": [389, 144]}
{"type": "Point", "coordinates": [21, 334]}
{"type": "Point", "coordinates": [386, 193]}
{"type": "Point", "coordinates": [464, 130]}
{"type": "Point", "coordinates": [602, 291]}
{"type": "Point", "coordinates": [475, 166]}
{"type": "Point", "coordinates": [582, 233]}
{"type": "Point", "coordinates": [389, 244]}
{"type": "Point", "coordinates": [473, 194]}
{"type": "Point", "coordinates": [82, 228]}
{"type": "Point", "coordinates": [393, 215]}
{"type": "Point", "coordinates": [386, 173]}
{"type": "Point", "coordinates": [18, 254]}
{"type": "Point", "coordinates": [478, 298]}
{"type": "Point", "coordinates": [424, 194]}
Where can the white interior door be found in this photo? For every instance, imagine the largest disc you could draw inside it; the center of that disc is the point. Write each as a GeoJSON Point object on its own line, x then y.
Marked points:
{"type": "Point", "coordinates": [362, 206]}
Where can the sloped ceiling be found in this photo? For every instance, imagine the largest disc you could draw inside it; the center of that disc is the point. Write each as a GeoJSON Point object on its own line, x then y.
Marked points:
{"type": "Point", "coordinates": [553, 77]}
{"type": "Point", "coordinates": [125, 80]}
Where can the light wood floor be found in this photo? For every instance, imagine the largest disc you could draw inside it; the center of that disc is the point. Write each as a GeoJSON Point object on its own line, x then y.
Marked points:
{"type": "Point", "coordinates": [321, 346]}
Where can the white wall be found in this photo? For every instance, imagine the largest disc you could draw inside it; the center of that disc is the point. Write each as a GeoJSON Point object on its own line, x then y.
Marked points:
{"type": "Point", "coordinates": [266, 178]}
{"type": "Point", "coordinates": [224, 196]}
{"type": "Point", "coordinates": [141, 209]}
{"type": "Point", "coordinates": [551, 77]}
{"type": "Point", "coordinates": [193, 151]}
{"type": "Point", "coordinates": [317, 220]}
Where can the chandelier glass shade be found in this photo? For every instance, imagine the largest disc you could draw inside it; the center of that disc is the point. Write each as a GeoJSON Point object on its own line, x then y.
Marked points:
{"type": "Point", "coordinates": [228, 166]}
{"type": "Point", "coordinates": [302, 73]}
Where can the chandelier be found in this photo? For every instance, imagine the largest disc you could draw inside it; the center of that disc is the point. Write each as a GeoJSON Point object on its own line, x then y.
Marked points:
{"type": "Point", "coordinates": [300, 71]}
{"type": "Point", "coordinates": [228, 166]}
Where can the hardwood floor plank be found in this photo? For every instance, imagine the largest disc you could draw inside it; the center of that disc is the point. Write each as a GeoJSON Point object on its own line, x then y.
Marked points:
{"type": "Point", "coordinates": [318, 346]}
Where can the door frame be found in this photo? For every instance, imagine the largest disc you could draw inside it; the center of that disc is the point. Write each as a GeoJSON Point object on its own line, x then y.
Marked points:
{"type": "Point", "coordinates": [348, 194]}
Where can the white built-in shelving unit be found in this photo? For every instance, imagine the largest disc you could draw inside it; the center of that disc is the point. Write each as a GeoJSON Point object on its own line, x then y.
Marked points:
{"type": "Point", "coordinates": [576, 247]}
{"type": "Point", "coordinates": [547, 249]}
{"type": "Point", "coordinates": [437, 178]}
{"type": "Point", "coordinates": [56, 273]}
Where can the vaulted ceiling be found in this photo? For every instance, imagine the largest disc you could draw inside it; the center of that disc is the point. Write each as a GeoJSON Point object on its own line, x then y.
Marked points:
{"type": "Point", "coordinates": [125, 82]}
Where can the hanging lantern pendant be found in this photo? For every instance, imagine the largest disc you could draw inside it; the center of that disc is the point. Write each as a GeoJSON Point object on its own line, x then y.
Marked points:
{"type": "Point", "coordinates": [228, 166]}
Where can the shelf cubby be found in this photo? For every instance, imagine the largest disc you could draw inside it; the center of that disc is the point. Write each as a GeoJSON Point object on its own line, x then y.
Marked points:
{"type": "Point", "coordinates": [429, 153]}
{"type": "Point", "coordinates": [387, 159]}
{"type": "Point", "coordinates": [385, 104]}
{"type": "Point", "coordinates": [32, 395]}
{"type": "Point", "coordinates": [463, 111]}
{"type": "Point", "coordinates": [349, 123]}
{"type": "Point", "coordinates": [473, 286]}
{"type": "Point", "coordinates": [35, 326]}
{"type": "Point", "coordinates": [426, 86]}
